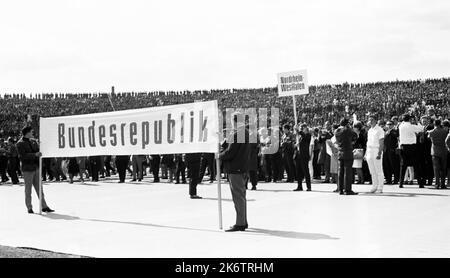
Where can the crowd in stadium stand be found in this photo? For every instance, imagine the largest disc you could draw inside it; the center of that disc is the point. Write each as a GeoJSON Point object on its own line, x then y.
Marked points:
{"type": "Point", "coordinates": [427, 102]}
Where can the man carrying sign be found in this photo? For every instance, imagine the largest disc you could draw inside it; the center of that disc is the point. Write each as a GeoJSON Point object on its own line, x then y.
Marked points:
{"type": "Point", "coordinates": [29, 155]}
{"type": "Point", "coordinates": [235, 162]}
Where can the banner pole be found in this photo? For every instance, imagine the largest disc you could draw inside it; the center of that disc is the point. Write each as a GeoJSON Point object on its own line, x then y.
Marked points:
{"type": "Point", "coordinates": [40, 185]}
{"type": "Point", "coordinates": [219, 191]}
{"type": "Point", "coordinates": [295, 117]}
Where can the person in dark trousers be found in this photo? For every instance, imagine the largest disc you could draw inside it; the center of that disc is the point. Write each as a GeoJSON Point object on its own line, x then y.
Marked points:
{"type": "Point", "coordinates": [3, 161]}
{"type": "Point", "coordinates": [235, 160]}
{"type": "Point", "coordinates": [390, 155]}
{"type": "Point", "coordinates": [193, 166]}
{"type": "Point", "coordinates": [408, 146]}
{"type": "Point", "coordinates": [13, 161]}
{"type": "Point", "coordinates": [253, 166]}
{"type": "Point", "coordinates": [345, 138]}
{"type": "Point", "coordinates": [318, 146]}
{"type": "Point", "coordinates": [287, 148]}
{"type": "Point", "coordinates": [180, 168]}
{"type": "Point", "coordinates": [73, 169]}
{"type": "Point", "coordinates": [439, 153]}
{"type": "Point", "coordinates": [424, 169]}
{"type": "Point", "coordinates": [302, 158]}
{"type": "Point", "coordinates": [208, 161]}
{"type": "Point", "coordinates": [95, 163]}
{"type": "Point", "coordinates": [29, 154]}
{"type": "Point", "coordinates": [108, 167]}
{"type": "Point", "coordinates": [47, 169]}
{"type": "Point", "coordinates": [155, 161]}
{"type": "Point", "coordinates": [325, 158]}
{"type": "Point", "coordinates": [122, 164]}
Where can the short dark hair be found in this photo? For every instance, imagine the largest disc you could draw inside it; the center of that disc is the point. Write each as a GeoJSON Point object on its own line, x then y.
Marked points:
{"type": "Point", "coordinates": [344, 122]}
{"type": "Point", "coordinates": [446, 123]}
{"type": "Point", "coordinates": [287, 126]}
{"type": "Point", "coordinates": [26, 130]}
{"type": "Point", "coordinates": [406, 117]}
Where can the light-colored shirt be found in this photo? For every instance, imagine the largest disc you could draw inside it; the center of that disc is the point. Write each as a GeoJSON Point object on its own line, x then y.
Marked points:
{"type": "Point", "coordinates": [374, 135]}
{"type": "Point", "coordinates": [408, 132]}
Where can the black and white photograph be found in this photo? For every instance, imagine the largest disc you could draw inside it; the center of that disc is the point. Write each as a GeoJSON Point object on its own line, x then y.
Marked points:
{"type": "Point", "coordinates": [208, 129]}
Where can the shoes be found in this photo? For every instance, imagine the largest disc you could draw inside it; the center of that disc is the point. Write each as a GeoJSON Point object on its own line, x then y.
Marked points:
{"type": "Point", "coordinates": [336, 190]}
{"type": "Point", "coordinates": [139, 179]}
{"type": "Point", "coordinates": [184, 182]}
{"type": "Point", "coordinates": [47, 209]}
{"type": "Point", "coordinates": [298, 189]}
{"type": "Point", "coordinates": [400, 186]}
{"type": "Point", "coordinates": [421, 186]}
{"type": "Point", "coordinates": [121, 182]}
{"type": "Point", "coordinates": [326, 181]}
{"type": "Point", "coordinates": [177, 182]}
{"type": "Point", "coordinates": [308, 189]}
{"type": "Point", "coordinates": [350, 193]}
{"type": "Point", "coordinates": [236, 228]}
{"type": "Point", "coordinates": [30, 211]}
{"type": "Point", "coordinates": [373, 190]}
{"type": "Point", "coordinates": [195, 197]}
{"type": "Point", "coordinates": [211, 181]}
{"type": "Point", "coordinates": [341, 192]}
{"type": "Point", "coordinates": [254, 188]}
{"type": "Point", "coordinates": [379, 191]}
{"type": "Point", "coordinates": [444, 187]}
{"type": "Point", "coordinates": [156, 180]}
{"type": "Point", "coordinates": [133, 180]}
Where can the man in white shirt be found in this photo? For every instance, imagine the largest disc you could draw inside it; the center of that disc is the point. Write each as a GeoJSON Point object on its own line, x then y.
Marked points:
{"type": "Point", "coordinates": [374, 152]}
{"type": "Point", "coordinates": [408, 145]}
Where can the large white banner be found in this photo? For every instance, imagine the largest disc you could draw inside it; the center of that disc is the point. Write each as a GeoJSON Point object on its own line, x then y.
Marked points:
{"type": "Point", "coordinates": [184, 128]}
{"type": "Point", "coordinates": [293, 83]}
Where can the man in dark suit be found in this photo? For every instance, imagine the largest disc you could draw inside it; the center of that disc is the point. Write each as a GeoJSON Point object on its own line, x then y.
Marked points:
{"type": "Point", "coordinates": [425, 167]}
{"type": "Point", "coordinates": [193, 166]}
{"type": "Point", "coordinates": [29, 154]}
{"type": "Point", "coordinates": [390, 156]}
{"type": "Point", "coordinates": [345, 138]}
{"type": "Point", "coordinates": [235, 160]}
{"type": "Point", "coordinates": [287, 151]}
{"type": "Point", "coordinates": [302, 158]}
{"type": "Point", "coordinates": [439, 153]}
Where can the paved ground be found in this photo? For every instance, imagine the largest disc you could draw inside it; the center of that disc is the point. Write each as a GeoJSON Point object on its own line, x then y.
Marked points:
{"type": "Point", "coordinates": [108, 219]}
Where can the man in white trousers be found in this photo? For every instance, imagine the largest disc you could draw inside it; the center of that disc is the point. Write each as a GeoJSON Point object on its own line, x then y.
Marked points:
{"type": "Point", "coordinates": [374, 152]}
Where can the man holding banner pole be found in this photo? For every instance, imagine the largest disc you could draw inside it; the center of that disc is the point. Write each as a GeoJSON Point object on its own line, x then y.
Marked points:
{"type": "Point", "coordinates": [236, 160]}
{"type": "Point", "coordinates": [31, 159]}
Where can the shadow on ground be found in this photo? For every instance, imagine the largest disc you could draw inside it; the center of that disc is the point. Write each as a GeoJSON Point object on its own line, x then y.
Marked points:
{"type": "Point", "coordinates": [255, 231]}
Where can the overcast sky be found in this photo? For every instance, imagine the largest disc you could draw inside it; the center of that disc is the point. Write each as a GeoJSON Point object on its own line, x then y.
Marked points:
{"type": "Point", "coordinates": [71, 46]}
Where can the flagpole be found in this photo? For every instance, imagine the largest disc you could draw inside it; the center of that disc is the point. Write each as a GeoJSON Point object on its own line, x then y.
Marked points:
{"type": "Point", "coordinates": [219, 191]}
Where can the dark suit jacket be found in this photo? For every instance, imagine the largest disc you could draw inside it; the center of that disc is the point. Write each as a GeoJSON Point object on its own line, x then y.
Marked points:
{"type": "Point", "coordinates": [236, 156]}
{"type": "Point", "coordinates": [438, 136]}
{"type": "Point", "coordinates": [345, 138]}
{"type": "Point", "coordinates": [302, 151]}
{"type": "Point", "coordinates": [27, 154]}
{"type": "Point", "coordinates": [391, 140]}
